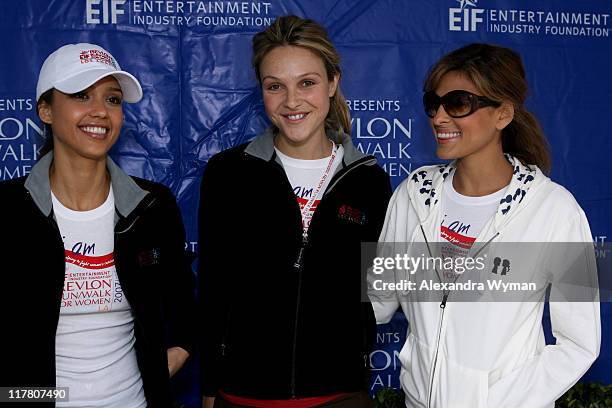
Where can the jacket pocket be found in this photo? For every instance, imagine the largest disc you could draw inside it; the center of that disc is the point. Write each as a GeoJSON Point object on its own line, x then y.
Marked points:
{"type": "Point", "coordinates": [459, 386]}
{"type": "Point", "coordinates": [453, 386]}
{"type": "Point", "coordinates": [414, 375]}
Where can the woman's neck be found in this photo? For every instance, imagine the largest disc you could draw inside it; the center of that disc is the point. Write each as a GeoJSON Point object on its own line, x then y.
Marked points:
{"type": "Point", "coordinates": [477, 178]}
{"type": "Point", "coordinates": [80, 185]}
{"type": "Point", "coordinates": [310, 150]}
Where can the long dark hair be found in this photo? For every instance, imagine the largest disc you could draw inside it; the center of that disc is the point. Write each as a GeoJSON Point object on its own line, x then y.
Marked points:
{"type": "Point", "coordinates": [47, 98]}
{"type": "Point", "coordinates": [499, 74]}
{"type": "Point", "coordinates": [308, 34]}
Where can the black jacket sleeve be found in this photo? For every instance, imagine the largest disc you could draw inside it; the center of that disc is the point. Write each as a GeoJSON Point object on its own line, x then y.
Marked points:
{"type": "Point", "coordinates": [213, 302]}
{"type": "Point", "coordinates": [382, 192]}
{"type": "Point", "coordinates": [381, 201]}
{"type": "Point", "coordinates": [179, 298]}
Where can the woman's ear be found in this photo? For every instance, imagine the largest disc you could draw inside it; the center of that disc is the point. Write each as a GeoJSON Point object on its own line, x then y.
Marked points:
{"type": "Point", "coordinates": [505, 115]}
{"type": "Point", "coordinates": [333, 85]}
{"type": "Point", "coordinates": [44, 112]}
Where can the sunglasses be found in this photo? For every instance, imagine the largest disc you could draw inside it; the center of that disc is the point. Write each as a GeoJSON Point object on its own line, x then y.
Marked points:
{"type": "Point", "coordinates": [457, 103]}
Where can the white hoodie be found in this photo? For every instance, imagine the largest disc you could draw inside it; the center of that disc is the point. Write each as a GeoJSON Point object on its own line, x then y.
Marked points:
{"type": "Point", "coordinates": [493, 354]}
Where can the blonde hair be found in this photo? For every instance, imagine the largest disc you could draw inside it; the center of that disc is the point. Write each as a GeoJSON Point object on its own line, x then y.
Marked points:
{"type": "Point", "coordinates": [307, 34]}
{"type": "Point", "coordinates": [498, 73]}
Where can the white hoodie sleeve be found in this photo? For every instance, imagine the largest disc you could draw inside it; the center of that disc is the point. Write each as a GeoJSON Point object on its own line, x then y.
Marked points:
{"type": "Point", "coordinates": [386, 302]}
{"type": "Point", "coordinates": [576, 326]}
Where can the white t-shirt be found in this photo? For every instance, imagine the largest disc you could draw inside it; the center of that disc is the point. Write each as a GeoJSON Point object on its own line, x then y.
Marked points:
{"type": "Point", "coordinates": [463, 218]}
{"type": "Point", "coordinates": [304, 176]}
{"type": "Point", "coordinates": [94, 342]}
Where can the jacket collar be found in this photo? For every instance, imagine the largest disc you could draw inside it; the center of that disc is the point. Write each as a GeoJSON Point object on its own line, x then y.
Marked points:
{"type": "Point", "coordinates": [125, 190]}
{"type": "Point", "coordinates": [263, 146]}
{"type": "Point", "coordinates": [426, 188]}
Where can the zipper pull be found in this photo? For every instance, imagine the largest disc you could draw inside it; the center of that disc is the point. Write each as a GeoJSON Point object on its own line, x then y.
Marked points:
{"type": "Point", "coordinates": [365, 360]}
{"type": "Point", "coordinates": [300, 258]}
{"type": "Point", "coordinates": [444, 299]}
{"type": "Point", "coordinates": [223, 349]}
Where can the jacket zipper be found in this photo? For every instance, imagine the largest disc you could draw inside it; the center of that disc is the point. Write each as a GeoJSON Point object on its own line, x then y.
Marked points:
{"type": "Point", "coordinates": [298, 266]}
{"type": "Point", "coordinates": [441, 321]}
{"type": "Point", "coordinates": [446, 293]}
{"type": "Point", "coordinates": [435, 361]}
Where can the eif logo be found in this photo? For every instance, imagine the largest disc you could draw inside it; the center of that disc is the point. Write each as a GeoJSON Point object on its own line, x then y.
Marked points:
{"type": "Point", "coordinates": [107, 9]}
{"type": "Point", "coordinates": [466, 17]}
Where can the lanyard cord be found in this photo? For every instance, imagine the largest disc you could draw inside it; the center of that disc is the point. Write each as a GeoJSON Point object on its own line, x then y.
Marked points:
{"type": "Point", "coordinates": [306, 216]}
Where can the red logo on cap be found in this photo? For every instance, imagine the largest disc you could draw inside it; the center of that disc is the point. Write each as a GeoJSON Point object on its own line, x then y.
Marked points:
{"type": "Point", "coordinates": [88, 56]}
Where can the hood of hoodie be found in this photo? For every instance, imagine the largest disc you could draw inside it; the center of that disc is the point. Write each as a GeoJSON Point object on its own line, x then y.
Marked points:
{"type": "Point", "coordinates": [425, 189]}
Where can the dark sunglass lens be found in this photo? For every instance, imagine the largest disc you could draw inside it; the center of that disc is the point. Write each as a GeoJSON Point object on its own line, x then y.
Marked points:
{"type": "Point", "coordinates": [458, 103]}
{"type": "Point", "coordinates": [431, 103]}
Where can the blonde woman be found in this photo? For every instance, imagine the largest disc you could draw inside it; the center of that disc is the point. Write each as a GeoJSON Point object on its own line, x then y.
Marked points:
{"type": "Point", "coordinates": [282, 219]}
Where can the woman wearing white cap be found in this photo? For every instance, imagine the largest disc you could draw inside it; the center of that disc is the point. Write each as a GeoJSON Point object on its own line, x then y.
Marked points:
{"type": "Point", "coordinates": [102, 287]}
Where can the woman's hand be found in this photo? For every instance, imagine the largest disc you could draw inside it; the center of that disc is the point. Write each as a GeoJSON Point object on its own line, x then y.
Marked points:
{"type": "Point", "coordinates": [176, 359]}
{"type": "Point", "coordinates": [208, 402]}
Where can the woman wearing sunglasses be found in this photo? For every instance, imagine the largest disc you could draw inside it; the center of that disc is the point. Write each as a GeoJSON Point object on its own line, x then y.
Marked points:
{"type": "Point", "coordinates": [487, 202]}
{"type": "Point", "coordinates": [97, 285]}
{"type": "Point", "coordinates": [282, 219]}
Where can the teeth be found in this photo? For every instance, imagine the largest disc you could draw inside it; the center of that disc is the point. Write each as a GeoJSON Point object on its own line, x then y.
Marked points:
{"type": "Point", "coordinates": [448, 135]}
{"type": "Point", "coordinates": [296, 117]}
{"type": "Point", "coordinates": [94, 129]}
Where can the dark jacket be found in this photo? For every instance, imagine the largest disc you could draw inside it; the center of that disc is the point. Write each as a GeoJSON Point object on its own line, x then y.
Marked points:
{"type": "Point", "coordinates": [272, 329]}
{"type": "Point", "coordinates": [151, 264]}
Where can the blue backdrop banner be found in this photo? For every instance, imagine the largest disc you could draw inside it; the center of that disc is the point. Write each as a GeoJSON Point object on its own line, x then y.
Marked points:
{"type": "Point", "coordinates": [201, 96]}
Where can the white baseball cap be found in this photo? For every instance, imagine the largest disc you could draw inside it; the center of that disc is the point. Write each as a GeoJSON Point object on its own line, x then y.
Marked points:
{"type": "Point", "coordinates": [75, 67]}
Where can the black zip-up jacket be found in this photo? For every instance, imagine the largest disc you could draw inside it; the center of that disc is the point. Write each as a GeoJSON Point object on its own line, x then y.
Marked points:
{"type": "Point", "coordinates": [151, 263]}
{"type": "Point", "coordinates": [275, 326]}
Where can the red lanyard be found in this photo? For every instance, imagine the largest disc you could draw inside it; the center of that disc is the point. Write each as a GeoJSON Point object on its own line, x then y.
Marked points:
{"type": "Point", "coordinates": [306, 215]}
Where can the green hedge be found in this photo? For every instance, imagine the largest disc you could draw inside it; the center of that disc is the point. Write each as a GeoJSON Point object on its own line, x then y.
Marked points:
{"type": "Point", "coordinates": [581, 395]}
